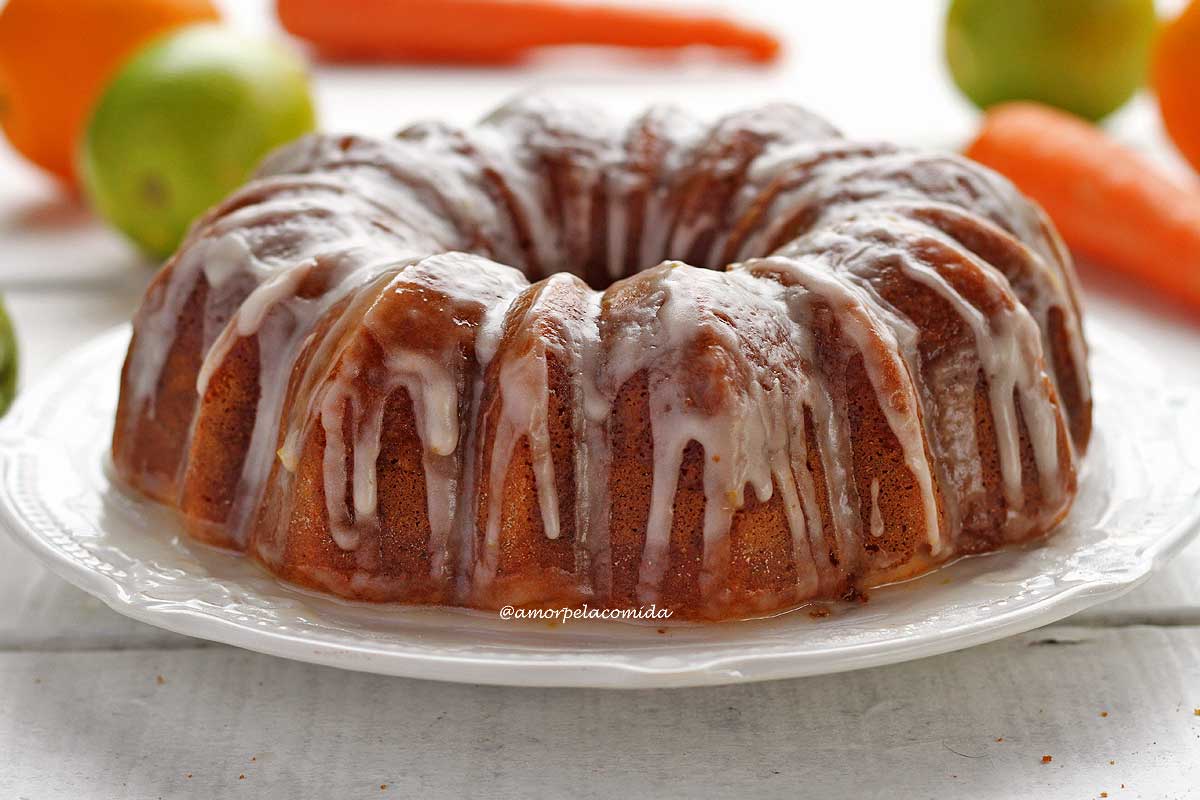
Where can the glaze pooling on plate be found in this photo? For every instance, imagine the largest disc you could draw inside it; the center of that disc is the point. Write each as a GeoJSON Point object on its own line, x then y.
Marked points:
{"type": "Point", "coordinates": [867, 360]}
{"type": "Point", "coordinates": [1138, 505]}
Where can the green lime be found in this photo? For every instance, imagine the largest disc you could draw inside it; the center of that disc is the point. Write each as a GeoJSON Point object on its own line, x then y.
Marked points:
{"type": "Point", "coordinates": [8, 361]}
{"type": "Point", "coordinates": [183, 123]}
{"type": "Point", "coordinates": [1085, 56]}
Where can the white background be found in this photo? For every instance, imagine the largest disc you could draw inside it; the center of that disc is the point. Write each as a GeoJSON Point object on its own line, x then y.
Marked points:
{"type": "Point", "coordinates": [93, 705]}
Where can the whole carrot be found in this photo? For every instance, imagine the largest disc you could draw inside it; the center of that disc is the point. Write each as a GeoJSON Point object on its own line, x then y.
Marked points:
{"type": "Point", "coordinates": [501, 30]}
{"type": "Point", "coordinates": [1111, 205]}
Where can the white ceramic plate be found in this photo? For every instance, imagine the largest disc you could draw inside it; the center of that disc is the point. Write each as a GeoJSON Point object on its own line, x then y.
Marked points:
{"type": "Point", "coordinates": [1138, 505]}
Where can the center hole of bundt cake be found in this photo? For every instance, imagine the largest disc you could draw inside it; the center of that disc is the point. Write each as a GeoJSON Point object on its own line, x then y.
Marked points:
{"type": "Point", "coordinates": [600, 273]}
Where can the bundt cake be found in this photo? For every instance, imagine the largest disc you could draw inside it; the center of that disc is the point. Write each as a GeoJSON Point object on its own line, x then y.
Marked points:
{"type": "Point", "coordinates": [338, 375]}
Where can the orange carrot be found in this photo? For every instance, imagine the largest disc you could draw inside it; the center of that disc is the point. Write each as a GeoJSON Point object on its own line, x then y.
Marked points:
{"type": "Point", "coordinates": [501, 30]}
{"type": "Point", "coordinates": [1111, 205]}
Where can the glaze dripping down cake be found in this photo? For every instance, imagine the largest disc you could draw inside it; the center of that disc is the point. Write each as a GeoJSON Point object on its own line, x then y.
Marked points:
{"type": "Point", "coordinates": [453, 367]}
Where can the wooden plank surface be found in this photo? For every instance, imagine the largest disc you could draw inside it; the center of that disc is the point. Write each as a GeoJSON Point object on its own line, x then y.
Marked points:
{"type": "Point", "coordinates": [1112, 707]}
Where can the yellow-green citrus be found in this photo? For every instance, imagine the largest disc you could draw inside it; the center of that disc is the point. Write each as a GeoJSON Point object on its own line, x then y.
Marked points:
{"type": "Point", "coordinates": [8, 361]}
{"type": "Point", "coordinates": [183, 123]}
{"type": "Point", "coordinates": [1084, 56]}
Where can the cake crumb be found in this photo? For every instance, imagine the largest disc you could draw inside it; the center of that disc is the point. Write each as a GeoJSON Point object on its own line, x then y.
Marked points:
{"type": "Point", "coordinates": [1047, 759]}
{"type": "Point", "coordinates": [242, 777]}
{"type": "Point", "coordinates": [1104, 713]}
{"type": "Point", "coordinates": [856, 595]}
{"type": "Point", "coordinates": [254, 758]}
{"type": "Point", "coordinates": [382, 786]}
{"type": "Point", "coordinates": [999, 738]}
{"type": "Point", "coordinates": [188, 776]}
{"type": "Point", "coordinates": [1104, 794]}
{"type": "Point", "coordinates": [662, 630]}
{"type": "Point", "coordinates": [1111, 763]}
{"type": "Point", "coordinates": [1196, 711]}
{"type": "Point", "coordinates": [819, 612]}
{"type": "Point", "coordinates": [160, 680]}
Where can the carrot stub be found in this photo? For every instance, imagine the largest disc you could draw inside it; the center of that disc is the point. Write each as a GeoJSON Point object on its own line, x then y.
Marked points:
{"type": "Point", "coordinates": [1111, 205]}
{"type": "Point", "coordinates": [501, 30]}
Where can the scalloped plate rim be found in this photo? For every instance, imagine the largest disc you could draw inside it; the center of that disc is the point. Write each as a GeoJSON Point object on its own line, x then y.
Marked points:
{"type": "Point", "coordinates": [518, 669]}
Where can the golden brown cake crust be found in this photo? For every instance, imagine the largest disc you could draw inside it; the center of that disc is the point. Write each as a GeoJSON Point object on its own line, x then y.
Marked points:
{"type": "Point", "coordinates": [335, 375]}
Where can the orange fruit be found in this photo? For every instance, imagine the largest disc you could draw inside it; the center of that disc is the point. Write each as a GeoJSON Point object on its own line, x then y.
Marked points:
{"type": "Point", "coordinates": [1176, 78]}
{"type": "Point", "coordinates": [56, 56]}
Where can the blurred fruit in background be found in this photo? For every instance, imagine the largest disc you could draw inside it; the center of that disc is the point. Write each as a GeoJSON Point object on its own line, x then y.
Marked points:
{"type": "Point", "coordinates": [501, 31]}
{"type": "Point", "coordinates": [57, 55]}
{"type": "Point", "coordinates": [185, 122]}
{"type": "Point", "coordinates": [1085, 56]}
{"type": "Point", "coordinates": [1176, 81]}
{"type": "Point", "coordinates": [8, 361]}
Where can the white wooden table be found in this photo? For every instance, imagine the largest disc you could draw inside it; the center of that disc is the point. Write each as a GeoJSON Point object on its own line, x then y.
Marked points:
{"type": "Point", "coordinates": [96, 706]}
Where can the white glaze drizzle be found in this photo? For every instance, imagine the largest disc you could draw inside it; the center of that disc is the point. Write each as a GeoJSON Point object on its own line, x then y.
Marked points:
{"type": "Point", "coordinates": [456, 289]}
{"type": "Point", "coordinates": [877, 526]}
{"type": "Point", "coordinates": [340, 211]}
{"type": "Point", "coordinates": [862, 325]}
